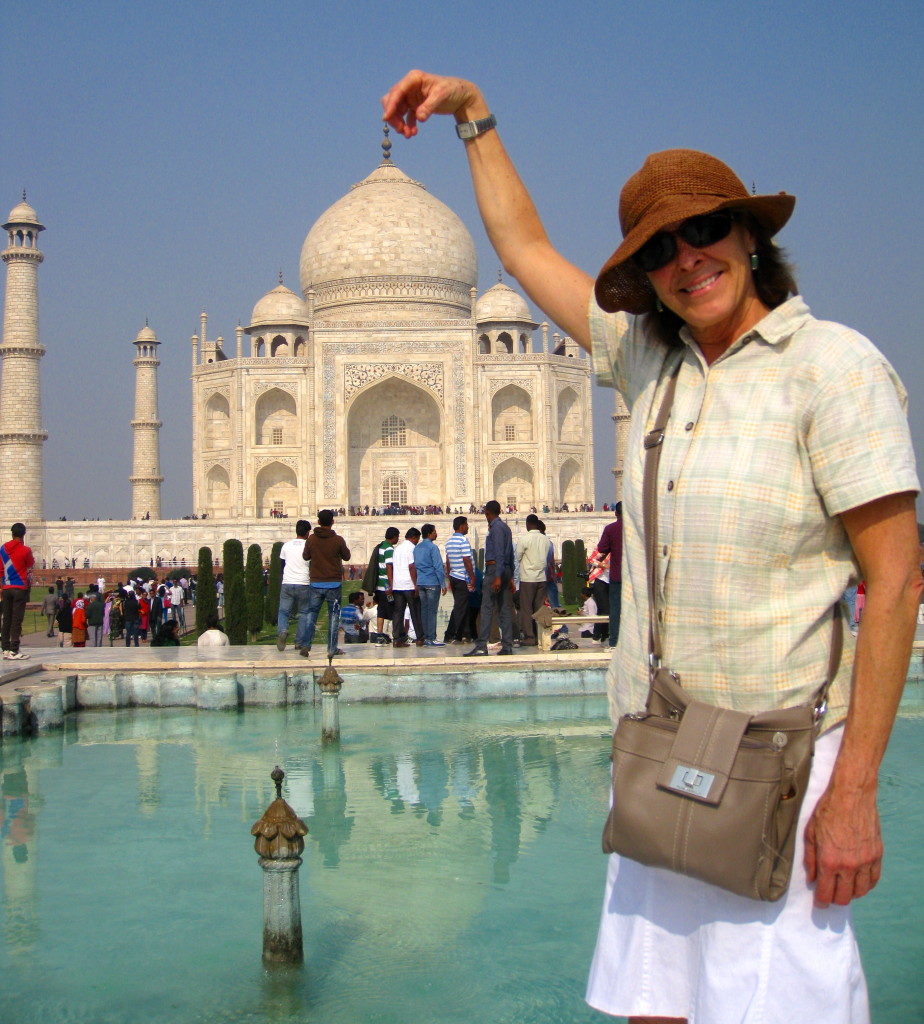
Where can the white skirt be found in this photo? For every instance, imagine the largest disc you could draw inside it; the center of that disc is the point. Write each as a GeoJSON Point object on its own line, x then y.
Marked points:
{"type": "Point", "coordinates": [672, 946]}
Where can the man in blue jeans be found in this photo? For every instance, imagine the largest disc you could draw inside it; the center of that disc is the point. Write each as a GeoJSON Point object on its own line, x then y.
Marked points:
{"type": "Point", "coordinates": [497, 585]}
{"type": "Point", "coordinates": [294, 593]}
{"type": "Point", "coordinates": [431, 583]}
{"type": "Point", "coordinates": [327, 552]}
{"type": "Point", "coordinates": [611, 544]}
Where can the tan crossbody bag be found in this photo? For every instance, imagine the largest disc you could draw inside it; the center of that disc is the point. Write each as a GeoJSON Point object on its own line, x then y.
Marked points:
{"type": "Point", "coordinates": [703, 790]}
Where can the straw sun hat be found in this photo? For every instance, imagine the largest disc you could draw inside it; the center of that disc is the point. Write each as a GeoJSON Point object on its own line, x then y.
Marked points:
{"type": "Point", "coordinates": [671, 186]}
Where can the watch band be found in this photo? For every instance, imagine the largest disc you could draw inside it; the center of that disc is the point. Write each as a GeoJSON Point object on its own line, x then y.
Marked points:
{"type": "Point", "coordinates": [469, 129]}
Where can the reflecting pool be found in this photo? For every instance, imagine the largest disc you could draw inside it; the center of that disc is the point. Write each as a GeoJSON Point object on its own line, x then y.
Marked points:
{"type": "Point", "coordinates": [452, 869]}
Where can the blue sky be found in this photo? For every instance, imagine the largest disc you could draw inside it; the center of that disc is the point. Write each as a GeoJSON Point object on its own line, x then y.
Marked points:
{"type": "Point", "coordinates": [178, 154]}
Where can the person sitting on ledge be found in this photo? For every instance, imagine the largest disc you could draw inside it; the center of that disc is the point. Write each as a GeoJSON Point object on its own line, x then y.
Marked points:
{"type": "Point", "coordinates": [213, 636]}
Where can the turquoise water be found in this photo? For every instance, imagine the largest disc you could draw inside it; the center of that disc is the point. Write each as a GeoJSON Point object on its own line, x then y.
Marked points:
{"type": "Point", "coordinates": [451, 870]}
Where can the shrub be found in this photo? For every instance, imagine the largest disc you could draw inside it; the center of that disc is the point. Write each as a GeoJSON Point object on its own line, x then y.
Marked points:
{"type": "Point", "coordinates": [569, 591]}
{"type": "Point", "coordinates": [232, 558]}
{"type": "Point", "coordinates": [143, 572]}
{"type": "Point", "coordinates": [253, 576]}
{"type": "Point", "coordinates": [206, 596]}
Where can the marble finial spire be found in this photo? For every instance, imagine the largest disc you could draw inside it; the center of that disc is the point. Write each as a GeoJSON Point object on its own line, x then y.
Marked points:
{"type": "Point", "coordinates": [386, 146]}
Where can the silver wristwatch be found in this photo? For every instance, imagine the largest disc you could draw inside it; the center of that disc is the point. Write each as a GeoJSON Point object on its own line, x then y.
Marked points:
{"type": "Point", "coordinates": [469, 129]}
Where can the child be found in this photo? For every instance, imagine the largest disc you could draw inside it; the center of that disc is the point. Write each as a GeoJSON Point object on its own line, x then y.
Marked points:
{"type": "Point", "coordinates": [589, 607]}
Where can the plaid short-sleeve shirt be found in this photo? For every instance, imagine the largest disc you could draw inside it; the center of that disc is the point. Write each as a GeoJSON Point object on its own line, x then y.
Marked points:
{"type": "Point", "coordinates": [798, 421]}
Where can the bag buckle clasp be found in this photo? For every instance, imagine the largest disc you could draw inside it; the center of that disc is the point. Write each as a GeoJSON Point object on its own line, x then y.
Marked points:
{"type": "Point", "coordinates": [691, 781]}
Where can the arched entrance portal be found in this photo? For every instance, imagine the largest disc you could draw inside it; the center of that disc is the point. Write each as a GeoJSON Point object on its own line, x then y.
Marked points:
{"type": "Point", "coordinates": [395, 446]}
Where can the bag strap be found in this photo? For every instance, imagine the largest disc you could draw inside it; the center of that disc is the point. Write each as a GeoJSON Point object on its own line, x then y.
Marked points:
{"type": "Point", "coordinates": [654, 441]}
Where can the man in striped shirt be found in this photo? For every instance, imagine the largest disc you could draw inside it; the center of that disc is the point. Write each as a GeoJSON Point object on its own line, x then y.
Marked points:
{"type": "Point", "coordinates": [460, 568]}
{"type": "Point", "coordinates": [384, 587]}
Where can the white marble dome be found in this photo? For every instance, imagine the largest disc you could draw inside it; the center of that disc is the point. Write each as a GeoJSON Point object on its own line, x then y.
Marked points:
{"type": "Point", "coordinates": [146, 334]}
{"type": "Point", "coordinates": [389, 249]}
{"type": "Point", "coordinates": [502, 303]}
{"type": "Point", "coordinates": [22, 213]}
{"type": "Point", "coordinates": [279, 308]}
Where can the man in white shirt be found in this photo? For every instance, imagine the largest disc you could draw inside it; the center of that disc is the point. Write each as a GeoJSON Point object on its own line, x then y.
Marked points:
{"type": "Point", "coordinates": [177, 600]}
{"type": "Point", "coordinates": [404, 587]}
{"type": "Point", "coordinates": [213, 636]}
{"type": "Point", "coordinates": [296, 588]}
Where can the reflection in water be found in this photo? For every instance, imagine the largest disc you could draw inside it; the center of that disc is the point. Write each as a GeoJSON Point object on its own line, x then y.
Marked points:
{"type": "Point", "coordinates": [130, 887]}
{"type": "Point", "coordinates": [18, 857]}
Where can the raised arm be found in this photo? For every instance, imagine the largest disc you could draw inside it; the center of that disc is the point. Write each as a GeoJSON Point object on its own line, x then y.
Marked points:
{"type": "Point", "coordinates": [510, 218]}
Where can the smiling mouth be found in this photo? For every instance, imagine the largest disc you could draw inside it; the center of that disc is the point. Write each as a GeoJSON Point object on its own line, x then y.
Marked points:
{"type": "Point", "coordinates": [700, 286]}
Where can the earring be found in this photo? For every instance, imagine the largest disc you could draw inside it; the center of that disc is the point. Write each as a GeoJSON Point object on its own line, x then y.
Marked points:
{"type": "Point", "coordinates": [755, 262]}
{"type": "Point", "coordinates": [658, 305]}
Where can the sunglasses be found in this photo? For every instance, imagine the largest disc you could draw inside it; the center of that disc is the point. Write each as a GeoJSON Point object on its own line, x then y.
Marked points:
{"type": "Point", "coordinates": [699, 232]}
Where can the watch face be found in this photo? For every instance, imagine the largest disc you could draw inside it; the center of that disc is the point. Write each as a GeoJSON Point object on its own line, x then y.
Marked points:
{"type": "Point", "coordinates": [466, 130]}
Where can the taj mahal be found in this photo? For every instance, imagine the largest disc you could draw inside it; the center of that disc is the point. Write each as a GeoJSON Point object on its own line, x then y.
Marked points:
{"type": "Point", "coordinates": [387, 381]}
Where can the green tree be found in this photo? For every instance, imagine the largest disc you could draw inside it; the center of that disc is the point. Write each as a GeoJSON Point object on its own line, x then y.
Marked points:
{"type": "Point", "coordinates": [275, 586]}
{"type": "Point", "coordinates": [232, 561]}
{"type": "Point", "coordinates": [253, 576]}
{"type": "Point", "coordinates": [143, 572]}
{"type": "Point", "coordinates": [580, 565]}
{"type": "Point", "coordinates": [206, 597]}
{"type": "Point", "coordinates": [568, 569]}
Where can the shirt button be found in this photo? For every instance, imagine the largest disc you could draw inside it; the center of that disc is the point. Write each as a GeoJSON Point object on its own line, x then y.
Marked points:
{"type": "Point", "coordinates": [664, 550]}
{"type": "Point", "coordinates": [670, 485]}
{"type": "Point", "coordinates": [689, 426]}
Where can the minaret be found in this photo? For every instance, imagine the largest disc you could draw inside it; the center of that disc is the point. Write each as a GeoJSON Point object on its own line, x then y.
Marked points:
{"type": "Point", "coordinates": [21, 434]}
{"type": "Point", "coordinates": [621, 418]}
{"type": "Point", "coordinates": [146, 478]}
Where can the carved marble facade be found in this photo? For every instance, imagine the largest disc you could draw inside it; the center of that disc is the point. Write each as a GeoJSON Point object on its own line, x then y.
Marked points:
{"type": "Point", "coordinates": [388, 379]}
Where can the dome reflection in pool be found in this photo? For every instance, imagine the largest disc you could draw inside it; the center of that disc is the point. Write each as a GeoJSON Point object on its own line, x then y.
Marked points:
{"type": "Point", "coordinates": [451, 872]}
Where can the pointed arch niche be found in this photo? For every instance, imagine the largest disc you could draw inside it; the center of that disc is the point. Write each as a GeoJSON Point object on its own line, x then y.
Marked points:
{"type": "Point", "coordinates": [277, 488]}
{"type": "Point", "coordinates": [218, 492]}
{"type": "Point", "coordinates": [570, 427]}
{"type": "Point", "coordinates": [512, 414]}
{"type": "Point", "coordinates": [275, 418]}
{"type": "Point", "coordinates": [394, 432]}
{"type": "Point", "coordinates": [571, 483]}
{"type": "Point", "coordinates": [217, 422]}
{"type": "Point", "coordinates": [513, 483]}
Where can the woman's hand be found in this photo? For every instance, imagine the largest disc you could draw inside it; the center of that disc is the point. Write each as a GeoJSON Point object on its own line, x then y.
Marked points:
{"type": "Point", "coordinates": [843, 847]}
{"type": "Point", "coordinates": [418, 95]}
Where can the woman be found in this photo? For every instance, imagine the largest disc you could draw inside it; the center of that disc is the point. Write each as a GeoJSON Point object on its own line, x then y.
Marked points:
{"type": "Point", "coordinates": [770, 502]}
{"type": "Point", "coordinates": [166, 635]}
{"type": "Point", "coordinates": [79, 622]}
{"type": "Point", "coordinates": [64, 620]}
{"type": "Point", "coordinates": [144, 616]}
{"type": "Point", "coordinates": [116, 615]}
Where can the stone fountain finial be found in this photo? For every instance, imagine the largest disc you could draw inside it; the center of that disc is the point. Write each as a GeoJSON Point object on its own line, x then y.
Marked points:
{"type": "Point", "coordinates": [279, 843]}
{"type": "Point", "coordinates": [331, 681]}
{"type": "Point", "coordinates": [329, 684]}
{"type": "Point", "coordinates": [279, 832]}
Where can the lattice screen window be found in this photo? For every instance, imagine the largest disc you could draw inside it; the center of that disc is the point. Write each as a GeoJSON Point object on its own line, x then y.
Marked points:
{"type": "Point", "coordinates": [279, 506]}
{"type": "Point", "coordinates": [510, 432]}
{"type": "Point", "coordinates": [277, 435]}
{"type": "Point", "coordinates": [394, 488]}
{"type": "Point", "coordinates": [394, 432]}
